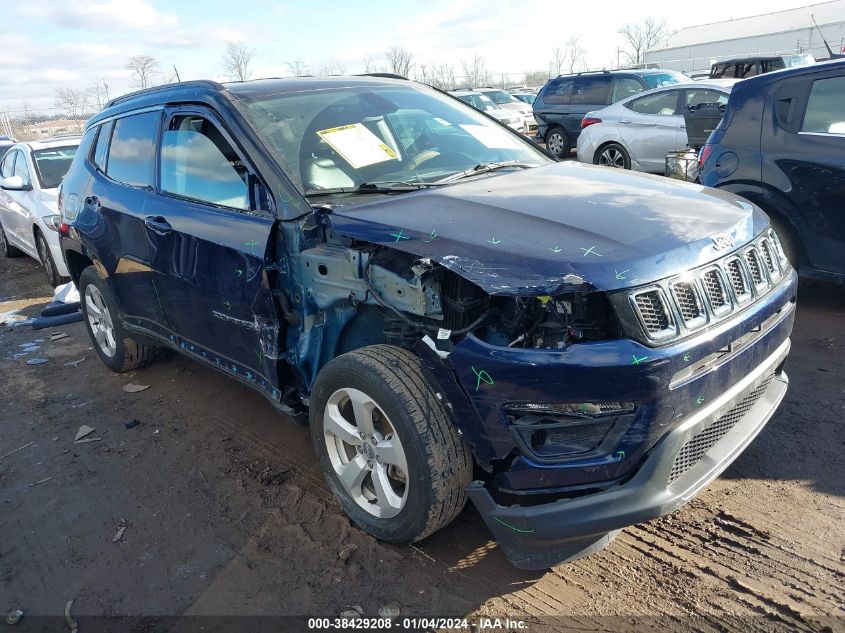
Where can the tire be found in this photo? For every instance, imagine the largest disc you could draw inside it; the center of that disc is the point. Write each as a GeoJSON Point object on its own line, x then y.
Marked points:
{"type": "Point", "coordinates": [787, 241]}
{"type": "Point", "coordinates": [558, 142]}
{"type": "Point", "coordinates": [53, 276]}
{"type": "Point", "coordinates": [612, 155]}
{"type": "Point", "coordinates": [419, 460]}
{"type": "Point", "coordinates": [118, 351]}
{"type": "Point", "coordinates": [6, 249]}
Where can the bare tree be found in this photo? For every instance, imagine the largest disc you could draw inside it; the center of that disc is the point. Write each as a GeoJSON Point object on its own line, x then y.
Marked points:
{"type": "Point", "coordinates": [297, 68]}
{"type": "Point", "coordinates": [575, 53]}
{"type": "Point", "coordinates": [535, 78]}
{"type": "Point", "coordinates": [98, 94]}
{"type": "Point", "coordinates": [236, 60]}
{"type": "Point", "coordinates": [144, 69]}
{"type": "Point", "coordinates": [73, 101]}
{"type": "Point", "coordinates": [442, 76]}
{"type": "Point", "coordinates": [558, 60]}
{"type": "Point", "coordinates": [475, 71]}
{"type": "Point", "coordinates": [399, 61]}
{"type": "Point", "coordinates": [642, 36]}
{"type": "Point", "coordinates": [332, 68]}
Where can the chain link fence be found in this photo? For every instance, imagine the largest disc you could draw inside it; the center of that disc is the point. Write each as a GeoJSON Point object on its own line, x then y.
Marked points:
{"type": "Point", "coordinates": [41, 124]}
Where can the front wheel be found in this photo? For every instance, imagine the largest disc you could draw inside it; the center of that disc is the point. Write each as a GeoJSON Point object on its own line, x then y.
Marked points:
{"type": "Point", "coordinates": [113, 345]}
{"type": "Point", "coordinates": [6, 249]}
{"type": "Point", "coordinates": [387, 445]}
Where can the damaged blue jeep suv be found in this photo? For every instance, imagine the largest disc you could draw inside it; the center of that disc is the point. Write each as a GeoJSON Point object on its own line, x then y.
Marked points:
{"type": "Point", "coordinates": [455, 314]}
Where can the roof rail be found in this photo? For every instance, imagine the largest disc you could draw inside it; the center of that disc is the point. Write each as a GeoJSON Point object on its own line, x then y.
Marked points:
{"type": "Point", "coordinates": [199, 83]}
{"type": "Point", "coordinates": [604, 71]}
{"type": "Point", "coordinates": [382, 75]}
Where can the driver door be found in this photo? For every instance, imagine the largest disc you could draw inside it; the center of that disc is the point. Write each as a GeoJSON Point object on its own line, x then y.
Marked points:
{"type": "Point", "coordinates": [209, 230]}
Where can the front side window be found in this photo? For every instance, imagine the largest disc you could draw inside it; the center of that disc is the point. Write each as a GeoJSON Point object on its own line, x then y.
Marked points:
{"type": "Point", "coordinates": [131, 156]}
{"type": "Point", "coordinates": [52, 164]}
{"type": "Point", "coordinates": [352, 135]}
{"type": "Point", "coordinates": [825, 114]}
{"type": "Point", "coordinates": [660, 103]}
{"type": "Point", "coordinates": [22, 170]}
{"type": "Point", "coordinates": [8, 167]}
{"type": "Point", "coordinates": [198, 162]}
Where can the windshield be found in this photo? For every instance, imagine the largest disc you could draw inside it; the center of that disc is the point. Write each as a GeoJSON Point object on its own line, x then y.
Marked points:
{"type": "Point", "coordinates": [527, 98]}
{"type": "Point", "coordinates": [354, 135]}
{"type": "Point", "coordinates": [52, 164]}
{"type": "Point", "coordinates": [657, 80]}
{"type": "Point", "coordinates": [479, 102]}
{"type": "Point", "coordinates": [499, 96]}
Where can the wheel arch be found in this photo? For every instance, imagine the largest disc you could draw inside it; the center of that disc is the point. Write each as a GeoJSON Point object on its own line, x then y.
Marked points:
{"type": "Point", "coordinates": [612, 142]}
{"type": "Point", "coordinates": [76, 263]}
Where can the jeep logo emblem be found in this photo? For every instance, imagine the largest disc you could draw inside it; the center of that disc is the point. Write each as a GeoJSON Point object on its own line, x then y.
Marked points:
{"type": "Point", "coordinates": [723, 241]}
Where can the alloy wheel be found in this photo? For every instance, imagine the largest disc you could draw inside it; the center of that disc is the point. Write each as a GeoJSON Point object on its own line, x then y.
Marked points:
{"type": "Point", "coordinates": [100, 320]}
{"type": "Point", "coordinates": [612, 157]}
{"type": "Point", "coordinates": [366, 452]}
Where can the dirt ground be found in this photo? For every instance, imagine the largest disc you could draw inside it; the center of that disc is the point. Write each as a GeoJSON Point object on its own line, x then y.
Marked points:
{"type": "Point", "coordinates": [226, 513]}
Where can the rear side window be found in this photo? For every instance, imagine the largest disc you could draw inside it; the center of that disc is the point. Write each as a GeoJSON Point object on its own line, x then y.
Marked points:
{"type": "Point", "coordinates": [131, 155]}
{"type": "Point", "coordinates": [660, 103]}
{"type": "Point", "coordinates": [558, 91]}
{"type": "Point", "coordinates": [103, 136]}
{"type": "Point", "coordinates": [198, 162]}
{"type": "Point", "coordinates": [825, 114]}
{"type": "Point", "coordinates": [590, 91]}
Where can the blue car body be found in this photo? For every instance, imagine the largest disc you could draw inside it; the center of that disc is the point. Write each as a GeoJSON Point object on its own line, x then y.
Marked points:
{"type": "Point", "coordinates": [764, 151]}
{"type": "Point", "coordinates": [693, 394]}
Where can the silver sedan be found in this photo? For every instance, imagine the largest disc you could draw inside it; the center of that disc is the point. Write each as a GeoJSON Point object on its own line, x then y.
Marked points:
{"type": "Point", "coordinates": [638, 132]}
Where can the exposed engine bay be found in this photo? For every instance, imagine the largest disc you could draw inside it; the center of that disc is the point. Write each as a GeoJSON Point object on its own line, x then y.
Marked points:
{"type": "Point", "coordinates": [417, 297]}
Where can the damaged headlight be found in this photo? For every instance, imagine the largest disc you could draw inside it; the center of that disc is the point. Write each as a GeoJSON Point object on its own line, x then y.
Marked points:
{"type": "Point", "coordinates": [565, 431]}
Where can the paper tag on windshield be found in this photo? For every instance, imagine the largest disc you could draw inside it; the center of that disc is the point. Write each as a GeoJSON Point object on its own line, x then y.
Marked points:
{"type": "Point", "coordinates": [492, 137]}
{"type": "Point", "coordinates": [443, 335]}
{"type": "Point", "coordinates": [358, 146]}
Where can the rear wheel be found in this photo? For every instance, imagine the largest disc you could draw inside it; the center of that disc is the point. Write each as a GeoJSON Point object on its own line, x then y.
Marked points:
{"type": "Point", "coordinates": [387, 445]}
{"type": "Point", "coordinates": [613, 155]}
{"type": "Point", "coordinates": [557, 142]}
{"type": "Point", "coordinates": [46, 258]}
{"type": "Point", "coordinates": [6, 249]}
{"type": "Point", "coordinates": [113, 345]}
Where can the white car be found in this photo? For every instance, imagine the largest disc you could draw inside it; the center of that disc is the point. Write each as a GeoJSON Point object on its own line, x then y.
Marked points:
{"type": "Point", "coordinates": [510, 102]}
{"type": "Point", "coordinates": [637, 133]}
{"type": "Point", "coordinates": [30, 174]}
{"type": "Point", "coordinates": [485, 104]}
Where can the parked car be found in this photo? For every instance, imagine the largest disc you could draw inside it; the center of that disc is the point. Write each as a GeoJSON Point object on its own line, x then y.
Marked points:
{"type": "Point", "coordinates": [753, 66]}
{"type": "Point", "coordinates": [510, 102]}
{"type": "Point", "coordinates": [564, 100]}
{"type": "Point", "coordinates": [575, 349]}
{"type": "Point", "coordinates": [637, 133]}
{"type": "Point", "coordinates": [526, 97]}
{"type": "Point", "coordinates": [5, 144]}
{"type": "Point", "coordinates": [30, 174]}
{"type": "Point", "coordinates": [485, 104]}
{"type": "Point", "coordinates": [781, 144]}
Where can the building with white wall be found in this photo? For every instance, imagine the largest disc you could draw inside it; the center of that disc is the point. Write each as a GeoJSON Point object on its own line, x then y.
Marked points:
{"type": "Point", "coordinates": [696, 48]}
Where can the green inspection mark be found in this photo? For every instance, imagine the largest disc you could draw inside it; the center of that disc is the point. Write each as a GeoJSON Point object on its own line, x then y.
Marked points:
{"type": "Point", "coordinates": [481, 376]}
{"type": "Point", "coordinates": [621, 454]}
{"type": "Point", "coordinates": [556, 249]}
{"type": "Point", "coordinates": [431, 237]}
{"type": "Point", "coordinates": [699, 400]}
{"type": "Point", "coordinates": [590, 251]}
{"type": "Point", "coordinates": [686, 357]}
{"type": "Point", "coordinates": [400, 235]}
{"type": "Point", "coordinates": [227, 304]}
{"type": "Point", "coordinates": [637, 361]}
{"type": "Point", "coordinates": [494, 241]}
{"type": "Point", "coordinates": [239, 272]}
{"type": "Point", "coordinates": [622, 274]}
{"type": "Point", "coordinates": [259, 354]}
{"type": "Point", "coordinates": [252, 246]}
{"type": "Point", "coordinates": [514, 528]}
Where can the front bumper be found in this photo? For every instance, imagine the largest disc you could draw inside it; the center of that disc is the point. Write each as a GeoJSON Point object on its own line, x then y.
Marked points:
{"type": "Point", "coordinates": [537, 537]}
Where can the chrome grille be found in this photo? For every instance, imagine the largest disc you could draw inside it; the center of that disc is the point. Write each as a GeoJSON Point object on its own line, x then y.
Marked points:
{"type": "Point", "coordinates": [653, 312]}
{"type": "Point", "coordinates": [672, 308]}
{"type": "Point", "coordinates": [704, 440]}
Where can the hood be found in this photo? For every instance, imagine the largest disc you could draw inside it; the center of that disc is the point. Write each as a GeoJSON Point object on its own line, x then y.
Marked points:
{"type": "Point", "coordinates": [541, 229]}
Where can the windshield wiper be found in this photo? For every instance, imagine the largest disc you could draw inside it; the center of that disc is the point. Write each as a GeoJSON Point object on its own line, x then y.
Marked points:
{"type": "Point", "coordinates": [370, 187]}
{"type": "Point", "coordinates": [483, 168]}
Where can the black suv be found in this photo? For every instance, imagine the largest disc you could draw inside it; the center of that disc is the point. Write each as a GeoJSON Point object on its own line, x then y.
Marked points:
{"type": "Point", "coordinates": [575, 349]}
{"type": "Point", "coordinates": [562, 103]}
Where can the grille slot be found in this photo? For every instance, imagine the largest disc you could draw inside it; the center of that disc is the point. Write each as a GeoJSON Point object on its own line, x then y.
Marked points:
{"type": "Point", "coordinates": [704, 440]}
{"type": "Point", "coordinates": [717, 294]}
{"type": "Point", "coordinates": [688, 302]}
{"type": "Point", "coordinates": [737, 277]}
{"type": "Point", "coordinates": [769, 258]}
{"type": "Point", "coordinates": [754, 266]}
{"type": "Point", "coordinates": [653, 312]}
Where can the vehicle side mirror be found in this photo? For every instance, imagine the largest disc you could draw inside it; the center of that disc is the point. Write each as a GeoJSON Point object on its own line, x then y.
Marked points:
{"type": "Point", "coordinates": [14, 183]}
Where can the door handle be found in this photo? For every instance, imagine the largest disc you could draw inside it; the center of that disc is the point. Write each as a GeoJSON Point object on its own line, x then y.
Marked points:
{"type": "Point", "coordinates": [625, 121]}
{"type": "Point", "coordinates": [157, 224]}
{"type": "Point", "coordinates": [682, 127]}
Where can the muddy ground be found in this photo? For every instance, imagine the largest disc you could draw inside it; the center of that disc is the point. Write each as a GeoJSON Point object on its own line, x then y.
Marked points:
{"type": "Point", "coordinates": [225, 512]}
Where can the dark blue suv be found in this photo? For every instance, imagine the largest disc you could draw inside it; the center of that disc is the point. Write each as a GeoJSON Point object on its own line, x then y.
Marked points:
{"type": "Point", "coordinates": [574, 349]}
{"type": "Point", "coordinates": [781, 145]}
{"type": "Point", "coordinates": [562, 103]}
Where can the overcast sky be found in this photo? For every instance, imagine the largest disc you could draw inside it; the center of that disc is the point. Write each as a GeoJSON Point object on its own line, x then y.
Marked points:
{"type": "Point", "coordinates": [51, 44]}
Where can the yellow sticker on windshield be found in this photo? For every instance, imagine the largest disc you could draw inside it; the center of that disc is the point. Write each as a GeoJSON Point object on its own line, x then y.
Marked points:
{"type": "Point", "coordinates": [357, 145]}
